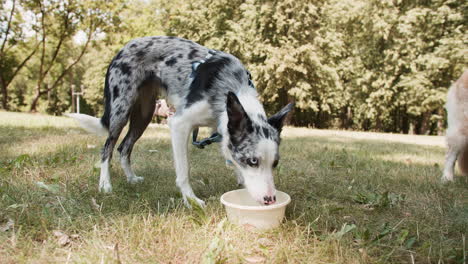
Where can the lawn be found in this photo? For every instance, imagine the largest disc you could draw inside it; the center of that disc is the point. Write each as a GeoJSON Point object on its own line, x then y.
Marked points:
{"type": "Point", "coordinates": [356, 198]}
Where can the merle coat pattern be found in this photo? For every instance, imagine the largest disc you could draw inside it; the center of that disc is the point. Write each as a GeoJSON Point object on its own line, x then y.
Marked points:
{"type": "Point", "coordinates": [218, 94]}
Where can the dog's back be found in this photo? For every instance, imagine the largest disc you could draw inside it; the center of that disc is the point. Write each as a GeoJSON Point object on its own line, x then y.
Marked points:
{"type": "Point", "coordinates": [457, 117]}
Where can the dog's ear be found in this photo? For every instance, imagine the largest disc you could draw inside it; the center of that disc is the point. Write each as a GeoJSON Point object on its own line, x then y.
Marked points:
{"type": "Point", "coordinates": [277, 119]}
{"type": "Point", "coordinates": [239, 123]}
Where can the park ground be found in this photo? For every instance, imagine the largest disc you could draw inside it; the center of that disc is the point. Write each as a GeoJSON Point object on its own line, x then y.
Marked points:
{"type": "Point", "coordinates": [356, 198]}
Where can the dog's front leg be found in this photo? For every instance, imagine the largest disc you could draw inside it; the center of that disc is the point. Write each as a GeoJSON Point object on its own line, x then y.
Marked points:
{"type": "Point", "coordinates": [455, 143]}
{"type": "Point", "coordinates": [240, 178]}
{"type": "Point", "coordinates": [450, 159]}
{"type": "Point", "coordinates": [180, 132]}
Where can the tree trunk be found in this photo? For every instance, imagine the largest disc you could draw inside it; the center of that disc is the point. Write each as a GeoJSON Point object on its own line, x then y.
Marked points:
{"type": "Point", "coordinates": [3, 82]}
{"type": "Point", "coordinates": [440, 122]}
{"type": "Point", "coordinates": [37, 96]}
{"type": "Point", "coordinates": [378, 123]}
{"type": "Point", "coordinates": [4, 93]}
{"type": "Point", "coordinates": [33, 108]}
{"type": "Point", "coordinates": [425, 122]}
{"type": "Point", "coordinates": [6, 83]}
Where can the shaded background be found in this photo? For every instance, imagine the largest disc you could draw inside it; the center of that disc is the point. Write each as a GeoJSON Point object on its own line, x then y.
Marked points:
{"type": "Point", "coordinates": [349, 64]}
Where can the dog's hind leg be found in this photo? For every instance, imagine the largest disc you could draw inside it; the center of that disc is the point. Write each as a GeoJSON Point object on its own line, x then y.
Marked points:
{"type": "Point", "coordinates": [118, 118]}
{"type": "Point", "coordinates": [115, 128]}
{"type": "Point", "coordinates": [140, 117]}
{"type": "Point", "coordinates": [180, 132]}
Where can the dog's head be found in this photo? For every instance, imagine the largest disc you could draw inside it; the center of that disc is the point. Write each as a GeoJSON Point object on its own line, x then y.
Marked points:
{"type": "Point", "coordinates": [253, 145]}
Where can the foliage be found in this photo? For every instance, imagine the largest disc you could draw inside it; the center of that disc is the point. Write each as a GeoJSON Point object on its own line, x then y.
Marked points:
{"type": "Point", "coordinates": [350, 64]}
{"type": "Point", "coordinates": [48, 31]}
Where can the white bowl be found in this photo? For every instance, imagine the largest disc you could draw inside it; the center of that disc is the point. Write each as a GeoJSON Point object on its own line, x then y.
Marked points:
{"type": "Point", "coordinates": [242, 209]}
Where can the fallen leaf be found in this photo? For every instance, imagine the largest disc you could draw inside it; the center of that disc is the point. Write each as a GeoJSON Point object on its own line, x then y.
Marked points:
{"type": "Point", "coordinates": [265, 242]}
{"type": "Point", "coordinates": [8, 225]}
{"type": "Point", "coordinates": [255, 259]}
{"type": "Point", "coordinates": [62, 238]}
{"type": "Point", "coordinates": [249, 227]}
{"type": "Point", "coordinates": [96, 206]}
{"type": "Point", "coordinates": [368, 207]}
{"type": "Point", "coordinates": [53, 188]}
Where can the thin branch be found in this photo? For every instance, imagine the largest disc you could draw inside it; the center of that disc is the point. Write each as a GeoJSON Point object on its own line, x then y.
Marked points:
{"type": "Point", "coordinates": [59, 45]}
{"type": "Point", "coordinates": [40, 79]}
{"type": "Point", "coordinates": [22, 64]}
{"type": "Point", "coordinates": [41, 67]}
{"type": "Point", "coordinates": [55, 55]}
{"type": "Point", "coordinates": [8, 28]}
{"type": "Point", "coordinates": [83, 51]}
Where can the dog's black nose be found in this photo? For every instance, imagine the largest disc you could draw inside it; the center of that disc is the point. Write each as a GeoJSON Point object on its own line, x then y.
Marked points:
{"type": "Point", "coordinates": [269, 200]}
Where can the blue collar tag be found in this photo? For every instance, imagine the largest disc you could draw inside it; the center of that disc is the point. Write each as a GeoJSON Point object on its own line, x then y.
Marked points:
{"type": "Point", "coordinates": [229, 163]}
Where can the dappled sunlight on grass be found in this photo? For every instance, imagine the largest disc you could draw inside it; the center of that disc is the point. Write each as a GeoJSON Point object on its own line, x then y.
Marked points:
{"type": "Point", "coordinates": [48, 145]}
{"type": "Point", "coordinates": [343, 135]}
{"type": "Point", "coordinates": [412, 159]}
{"type": "Point", "coordinates": [35, 120]}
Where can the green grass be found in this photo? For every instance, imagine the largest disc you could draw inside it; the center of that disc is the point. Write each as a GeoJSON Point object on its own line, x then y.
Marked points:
{"type": "Point", "coordinates": [356, 198]}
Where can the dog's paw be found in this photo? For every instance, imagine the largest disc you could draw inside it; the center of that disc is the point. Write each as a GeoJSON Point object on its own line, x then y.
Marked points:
{"type": "Point", "coordinates": [192, 202]}
{"type": "Point", "coordinates": [240, 182]}
{"type": "Point", "coordinates": [135, 179]}
{"type": "Point", "coordinates": [446, 178]}
{"type": "Point", "coordinates": [240, 179]}
{"type": "Point", "coordinates": [105, 187]}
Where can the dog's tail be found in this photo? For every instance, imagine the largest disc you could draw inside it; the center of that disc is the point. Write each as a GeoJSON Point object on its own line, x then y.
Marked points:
{"type": "Point", "coordinates": [105, 120]}
{"type": "Point", "coordinates": [95, 125]}
{"type": "Point", "coordinates": [463, 160]}
{"type": "Point", "coordinates": [91, 124]}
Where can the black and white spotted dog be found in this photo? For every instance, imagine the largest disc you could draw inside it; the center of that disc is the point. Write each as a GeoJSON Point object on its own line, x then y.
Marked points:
{"type": "Point", "coordinates": [207, 88]}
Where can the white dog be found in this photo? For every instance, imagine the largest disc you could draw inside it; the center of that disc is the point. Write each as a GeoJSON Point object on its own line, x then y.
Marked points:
{"type": "Point", "coordinates": [457, 132]}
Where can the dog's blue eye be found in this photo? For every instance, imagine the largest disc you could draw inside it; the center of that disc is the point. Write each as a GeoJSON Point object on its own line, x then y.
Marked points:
{"type": "Point", "coordinates": [252, 162]}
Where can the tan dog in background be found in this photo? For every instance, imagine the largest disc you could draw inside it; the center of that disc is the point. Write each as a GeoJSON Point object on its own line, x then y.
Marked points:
{"type": "Point", "coordinates": [457, 131]}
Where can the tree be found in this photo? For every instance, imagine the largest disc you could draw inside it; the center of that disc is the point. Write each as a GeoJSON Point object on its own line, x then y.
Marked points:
{"type": "Point", "coordinates": [363, 64]}
{"type": "Point", "coordinates": [13, 42]}
{"type": "Point", "coordinates": [359, 64]}
{"type": "Point", "coordinates": [138, 18]}
{"type": "Point", "coordinates": [58, 22]}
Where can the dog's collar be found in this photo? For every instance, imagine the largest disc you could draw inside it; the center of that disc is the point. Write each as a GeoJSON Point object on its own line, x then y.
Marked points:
{"type": "Point", "coordinates": [195, 64]}
{"type": "Point", "coordinates": [215, 137]}
{"type": "Point", "coordinates": [251, 84]}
